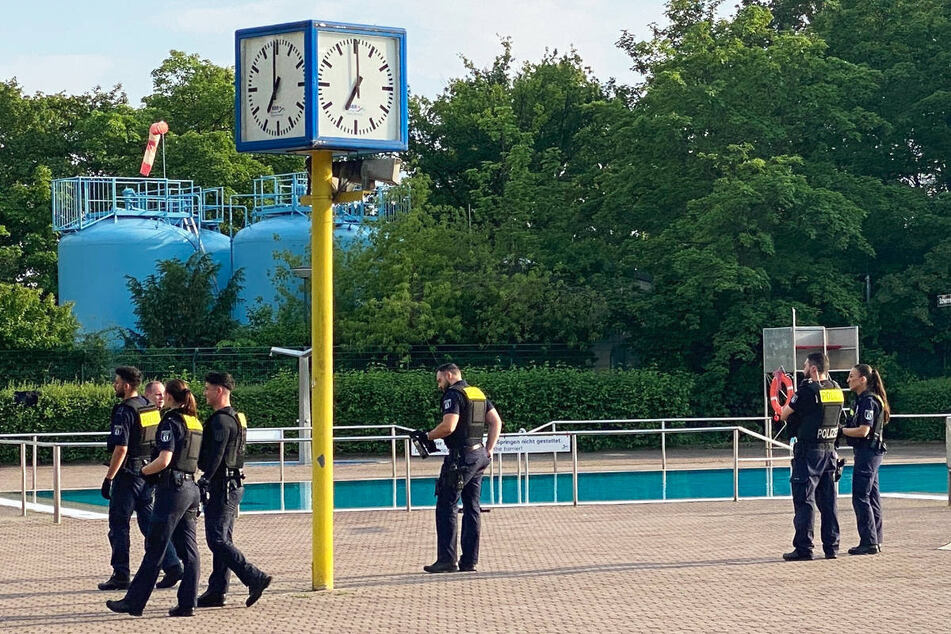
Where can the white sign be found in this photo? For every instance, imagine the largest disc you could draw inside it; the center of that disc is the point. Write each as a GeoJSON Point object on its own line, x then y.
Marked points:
{"type": "Point", "coordinates": [530, 443]}
{"type": "Point", "coordinates": [944, 300]}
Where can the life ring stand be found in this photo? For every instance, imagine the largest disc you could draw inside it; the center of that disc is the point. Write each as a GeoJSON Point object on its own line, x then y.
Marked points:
{"type": "Point", "coordinates": [781, 384]}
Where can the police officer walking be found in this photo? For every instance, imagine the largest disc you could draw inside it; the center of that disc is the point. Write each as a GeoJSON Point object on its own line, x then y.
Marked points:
{"type": "Point", "coordinates": [221, 461]}
{"type": "Point", "coordinates": [864, 433]}
{"type": "Point", "coordinates": [131, 440]}
{"type": "Point", "coordinates": [466, 415]}
{"type": "Point", "coordinates": [813, 414]}
{"type": "Point", "coordinates": [175, 460]}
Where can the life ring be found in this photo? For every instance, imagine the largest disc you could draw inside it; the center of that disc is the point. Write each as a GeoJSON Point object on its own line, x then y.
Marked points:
{"type": "Point", "coordinates": [781, 384]}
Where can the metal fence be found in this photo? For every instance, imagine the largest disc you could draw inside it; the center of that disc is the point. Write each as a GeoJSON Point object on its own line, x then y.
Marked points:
{"type": "Point", "coordinates": [258, 365]}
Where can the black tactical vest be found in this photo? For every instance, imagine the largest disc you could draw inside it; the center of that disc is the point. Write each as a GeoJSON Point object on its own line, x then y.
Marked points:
{"type": "Point", "coordinates": [472, 411]}
{"type": "Point", "coordinates": [185, 457]}
{"type": "Point", "coordinates": [820, 423]}
{"type": "Point", "coordinates": [875, 434]}
{"type": "Point", "coordinates": [234, 452]}
{"type": "Point", "coordinates": [144, 424]}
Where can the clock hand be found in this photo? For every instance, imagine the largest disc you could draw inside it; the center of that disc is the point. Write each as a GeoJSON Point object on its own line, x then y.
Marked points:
{"type": "Point", "coordinates": [270, 103]}
{"type": "Point", "coordinates": [353, 93]}
{"type": "Point", "coordinates": [356, 52]}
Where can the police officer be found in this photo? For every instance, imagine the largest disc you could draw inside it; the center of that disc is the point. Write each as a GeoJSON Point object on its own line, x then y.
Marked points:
{"type": "Point", "coordinates": [131, 440]}
{"type": "Point", "coordinates": [174, 463]}
{"type": "Point", "coordinates": [813, 414]}
{"type": "Point", "coordinates": [221, 461]}
{"type": "Point", "coordinates": [466, 415]}
{"type": "Point", "coordinates": [864, 433]}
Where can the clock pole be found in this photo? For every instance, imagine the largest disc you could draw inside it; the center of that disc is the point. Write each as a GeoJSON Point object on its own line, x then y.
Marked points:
{"type": "Point", "coordinates": [322, 389]}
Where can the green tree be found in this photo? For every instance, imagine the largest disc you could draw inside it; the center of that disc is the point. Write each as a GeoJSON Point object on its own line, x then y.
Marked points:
{"type": "Point", "coordinates": [30, 319]}
{"type": "Point", "coordinates": [178, 307]}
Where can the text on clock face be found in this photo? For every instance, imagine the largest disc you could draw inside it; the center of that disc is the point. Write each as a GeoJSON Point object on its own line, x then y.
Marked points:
{"type": "Point", "coordinates": [275, 87]}
{"type": "Point", "coordinates": [356, 85]}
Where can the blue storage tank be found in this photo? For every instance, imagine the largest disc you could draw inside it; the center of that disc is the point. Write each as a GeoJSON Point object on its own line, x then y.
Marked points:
{"type": "Point", "coordinates": [94, 263]}
{"type": "Point", "coordinates": [257, 251]}
{"type": "Point", "coordinates": [218, 246]}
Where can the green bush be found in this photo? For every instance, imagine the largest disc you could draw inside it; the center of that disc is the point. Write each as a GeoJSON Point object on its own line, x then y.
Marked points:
{"type": "Point", "coordinates": [931, 396]}
{"type": "Point", "coordinates": [525, 398]}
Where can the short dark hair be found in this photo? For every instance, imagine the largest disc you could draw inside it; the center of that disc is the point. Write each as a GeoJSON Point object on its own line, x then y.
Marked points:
{"type": "Point", "coordinates": [451, 368]}
{"type": "Point", "coordinates": [820, 360]}
{"type": "Point", "coordinates": [223, 379]}
{"type": "Point", "coordinates": [130, 375]}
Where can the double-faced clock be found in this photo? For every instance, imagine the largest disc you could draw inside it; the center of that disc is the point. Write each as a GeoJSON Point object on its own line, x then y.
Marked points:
{"type": "Point", "coordinates": [320, 85]}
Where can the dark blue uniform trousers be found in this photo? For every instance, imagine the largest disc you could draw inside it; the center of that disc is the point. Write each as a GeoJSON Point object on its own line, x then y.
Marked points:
{"type": "Point", "coordinates": [176, 509]}
{"type": "Point", "coordinates": [472, 464]}
{"type": "Point", "coordinates": [813, 483]}
{"type": "Point", "coordinates": [866, 499]}
{"type": "Point", "coordinates": [220, 512]}
{"type": "Point", "coordinates": [132, 493]}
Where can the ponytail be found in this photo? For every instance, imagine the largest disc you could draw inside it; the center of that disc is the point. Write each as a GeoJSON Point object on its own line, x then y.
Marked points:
{"type": "Point", "coordinates": [876, 386]}
{"type": "Point", "coordinates": [183, 396]}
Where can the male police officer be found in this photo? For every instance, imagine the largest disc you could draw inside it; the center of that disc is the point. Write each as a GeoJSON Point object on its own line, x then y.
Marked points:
{"type": "Point", "coordinates": [131, 439]}
{"type": "Point", "coordinates": [813, 413]}
{"type": "Point", "coordinates": [155, 393]}
{"type": "Point", "coordinates": [221, 461]}
{"type": "Point", "coordinates": [466, 415]}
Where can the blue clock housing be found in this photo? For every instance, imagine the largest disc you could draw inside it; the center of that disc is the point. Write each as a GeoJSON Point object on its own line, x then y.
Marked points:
{"type": "Point", "coordinates": [316, 136]}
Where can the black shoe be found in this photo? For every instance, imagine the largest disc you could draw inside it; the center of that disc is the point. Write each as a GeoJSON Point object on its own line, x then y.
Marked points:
{"type": "Point", "coordinates": [797, 556]}
{"type": "Point", "coordinates": [257, 590]}
{"type": "Point", "coordinates": [211, 600]}
{"type": "Point", "coordinates": [870, 549]}
{"type": "Point", "coordinates": [831, 554]}
{"type": "Point", "coordinates": [115, 582]}
{"type": "Point", "coordinates": [180, 611]}
{"type": "Point", "coordinates": [442, 566]}
{"type": "Point", "coordinates": [171, 578]}
{"type": "Point", "coordinates": [463, 568]}
{"type": "Point", "coordinates": [122, 607]}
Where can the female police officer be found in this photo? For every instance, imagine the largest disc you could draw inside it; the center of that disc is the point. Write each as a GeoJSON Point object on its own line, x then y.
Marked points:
{"type": "Point", "coordinates": [177, 445]}
{"type": "Point", "coordinates": [864, 435]}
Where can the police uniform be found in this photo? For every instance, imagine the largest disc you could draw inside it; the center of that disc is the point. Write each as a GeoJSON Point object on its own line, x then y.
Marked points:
{"type": "Point", "coordinates": [817, 406]}
{"type": "Point", "coordinates": [868, 454]}
{"type": "Point", "coordinates": [461, 474]}
{"type": "Point", "coordinates": [221, 461]}
{"type": "Point", "coordinates": [176, 509]}
{"type": "Point", "coordinates": [133, 424]}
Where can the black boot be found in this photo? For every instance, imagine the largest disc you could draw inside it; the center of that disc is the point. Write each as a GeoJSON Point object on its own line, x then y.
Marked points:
{"type": "Point", "coordinates": [171, 578]}
{"type": "Point", "coordinates": [211, 600]}
{"type": "Point", "coordinates": [255, 591]}
{"type": "Point", "coordinates": [180, 611]}
{"type": "Point", "coordinates": [115, 582]}
{"type": "Point", "coordinates": [441, 566]}
{"type": "Point", "coordinates": [122, 607]}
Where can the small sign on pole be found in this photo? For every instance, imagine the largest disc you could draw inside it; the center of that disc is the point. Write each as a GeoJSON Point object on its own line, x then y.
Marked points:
{"type": "Point", "coordinates": [529, 443]}
{"type": "Point", "coordinates": [944, 300]}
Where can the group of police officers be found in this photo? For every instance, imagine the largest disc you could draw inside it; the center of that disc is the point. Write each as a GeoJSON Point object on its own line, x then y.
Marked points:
{"type": "Point", "coordinates": [158, 445]}
{"type": "Point", "coordinates": [160, 454]}
{"type": "Point", "coordinates": [814, 414]}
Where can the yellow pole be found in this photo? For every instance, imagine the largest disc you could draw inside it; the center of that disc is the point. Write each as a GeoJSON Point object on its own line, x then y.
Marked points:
{"type": "Point", "coordinates": [322, 388]}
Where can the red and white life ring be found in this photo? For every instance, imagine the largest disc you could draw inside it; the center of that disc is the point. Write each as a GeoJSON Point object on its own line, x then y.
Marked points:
{"type": "Point", "coordinates": [781, 384]}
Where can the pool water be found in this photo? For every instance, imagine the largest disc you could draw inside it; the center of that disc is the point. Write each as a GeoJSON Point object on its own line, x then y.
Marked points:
{"type": "Point", "coordinates": [614, 486]}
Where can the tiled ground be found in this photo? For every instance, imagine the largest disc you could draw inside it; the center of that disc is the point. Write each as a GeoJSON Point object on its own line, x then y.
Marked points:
{"type": "Point", "coordinates": [675, 567]}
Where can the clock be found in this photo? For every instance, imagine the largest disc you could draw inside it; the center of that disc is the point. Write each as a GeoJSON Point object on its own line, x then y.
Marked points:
{"type": "Point", "coordinates": [358, 79]}
{"type": "Point", "coordinates": [315, 85]}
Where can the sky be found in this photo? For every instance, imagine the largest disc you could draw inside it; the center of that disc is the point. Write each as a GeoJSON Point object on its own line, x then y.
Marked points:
{"type": "Point", "coordinates": [71, 46]}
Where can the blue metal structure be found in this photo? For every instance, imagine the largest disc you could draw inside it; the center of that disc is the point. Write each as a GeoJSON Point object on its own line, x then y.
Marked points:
{"type": "Point", "coordinates": [280, 223]}
{"type": "Point", "coordinates": [315, 138]}
{"type": "Point", "coordinates": [116, 227]}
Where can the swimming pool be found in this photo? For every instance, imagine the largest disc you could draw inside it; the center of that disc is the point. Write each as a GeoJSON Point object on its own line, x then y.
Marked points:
{"type": "Point", "coordinates": [610, 486]}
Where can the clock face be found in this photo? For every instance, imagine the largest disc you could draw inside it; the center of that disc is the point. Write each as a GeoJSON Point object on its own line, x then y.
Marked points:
{"type": "Point", "coordinates": [358, 86]}
{"type": "Point", "coordinates": [273, 87]}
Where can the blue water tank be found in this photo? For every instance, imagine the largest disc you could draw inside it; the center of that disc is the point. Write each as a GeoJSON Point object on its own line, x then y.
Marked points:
{"type": "Point", "coordinates": [218, 246]}
{"type": "Point", "coordinates": [94, 263]}
{"type": "Point", "coordinates": [257, 251]}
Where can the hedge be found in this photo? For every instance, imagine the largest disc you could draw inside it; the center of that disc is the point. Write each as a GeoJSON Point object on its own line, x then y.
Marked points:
{"type": "Point", "coordinates": [525, 398]}
{"type": "Point", "coordinates": [919, 397]}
